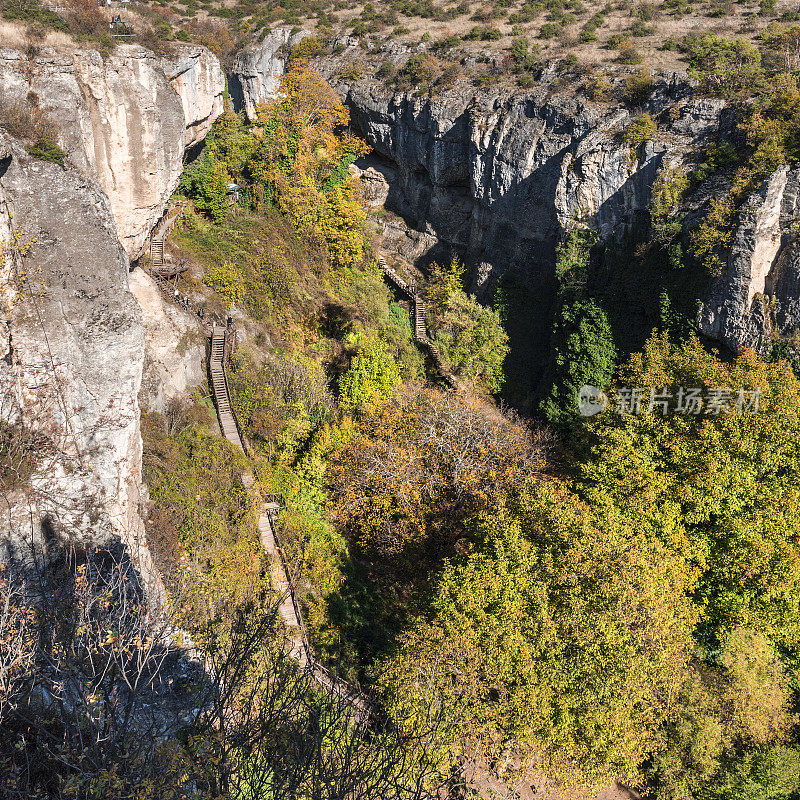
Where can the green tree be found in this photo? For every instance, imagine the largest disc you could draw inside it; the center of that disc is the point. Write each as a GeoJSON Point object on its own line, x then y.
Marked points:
{"type": "Point", "coordinates": [442, 285]}
{"type": "Point", "coordinates": [582, 349]}
{"type": "Point", "coordinates": [721, 489]}
{"type": "Point", "coordinates": [473, 341]}
{"type": "Point", "coordinates": [565, 632]}
{"type": "Point", "coordinates": [206, 182]}
{"type": "Point", "coordinates": [729, 67]}
{"type": "Point", "coordinates": [231, 142]}
{"type": "Point", "coordinates": [582, 353]}
{"type": "Point", "coordinates": [372, 375]}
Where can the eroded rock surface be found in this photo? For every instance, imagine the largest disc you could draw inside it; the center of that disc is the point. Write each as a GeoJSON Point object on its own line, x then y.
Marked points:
{"type": "Point", "coordinates": [757, 295]}
{"type": "Point", "coordinates": [196, 75]}
{"type": "Point", "coordinates": [123, 119]}
{"type": "Point", "coordinates": [71, 355]}
{"type": "Point", "coordinates": [174, 346]}
{"type": "Point", "coordinates": [256, 71]}
{"type": "Point", "coordinates": [499, 177]}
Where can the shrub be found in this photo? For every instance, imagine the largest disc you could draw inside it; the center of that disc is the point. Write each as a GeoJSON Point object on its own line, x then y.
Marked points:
{"type": "Point", "coordinates": [519, 48]}
{"type": "Point", "coordinates": [387, 70]}
{"type": "Point", "coordinates": [647, 11]}
{"type": "Point", "coordinates": [372, 376]}
{"type": "Point", "coordinates": [550, 30]}
{"type": "Point", "coordinates": [618, 41]}
{"type": "Point", "coordinates": [638, 87]}
{"type": "Point", "coordinates": [599, 87]}
{"type": "Point", "coordinates": [226, 280]}
{"type": "Point", "coordinates": [642, 129]}
{"type": "Point", "coordinates": [28, 122]}
{"type": "Point", "coordinates": [47, 150]}
{"type": "Point", "coordinates": [420, 69]}
{"type": "Point", "coordinates": [639, 29]}
{"type": "Point", "coordinates": [717, 155]}
{"type": "Point", "coordinates": [728, 67]}
{"type": "Point", "coordinates": [449, 76]}
{"type": "Point", "coordinates": [629, 55]}
{"type": "Point", "coordinates": [352, 71]}
{"type": "Point", "coordinates": [31, 11]}
{"type": "Point", "coordinates": [280, 401]}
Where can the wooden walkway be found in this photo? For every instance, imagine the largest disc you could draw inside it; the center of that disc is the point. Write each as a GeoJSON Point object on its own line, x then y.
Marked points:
{"type": "Point", "coordinates": [420, 329]}
{"type": "Point", "coordinates": [219, 385]}
{"type": "Point", "coordinates": [297, 642]}
{"type": "Point", "coordinates": [162, 231]}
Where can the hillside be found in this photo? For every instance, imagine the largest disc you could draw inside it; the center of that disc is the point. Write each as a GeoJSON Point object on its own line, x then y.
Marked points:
{"type": "Point", "coordinates": [403, 414]}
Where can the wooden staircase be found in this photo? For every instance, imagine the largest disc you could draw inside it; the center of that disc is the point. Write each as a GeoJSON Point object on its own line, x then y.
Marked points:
{"type": "Point", "coordinates": [156, 253]}
{"type": "Point", "coordinates": [219, 385]}
{"type": "Point", "coordinates": [420, 328]}
{"type": "Point", "coordinates": [297, 643]}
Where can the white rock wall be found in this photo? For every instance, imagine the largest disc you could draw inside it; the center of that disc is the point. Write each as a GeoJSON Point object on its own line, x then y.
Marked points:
{"type": "Point", "coordinates": [122, 121]}
{"type": "Point", "coordinates": [71, 355]}
{"type": "Point", "coordinates": [257, 70]}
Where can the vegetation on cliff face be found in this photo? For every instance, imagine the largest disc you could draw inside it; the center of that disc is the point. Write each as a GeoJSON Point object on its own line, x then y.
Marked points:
{"type": "Point", "coordinates": [616, 604]}
{"type": "Point", "coordinates": [602, 600]}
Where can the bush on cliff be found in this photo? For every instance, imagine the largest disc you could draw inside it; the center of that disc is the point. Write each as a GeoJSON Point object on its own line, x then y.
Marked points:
{"type": "Point", "coordinates": [206, 182]}
{"type": "Point", "coordinates": [47, 150]}
{"type": "Point", "coordinates": [371, 377]}
{"type": "Point", "coordinates": [470, 336]}
{"type": "Point", "coordinates": [582, 353]}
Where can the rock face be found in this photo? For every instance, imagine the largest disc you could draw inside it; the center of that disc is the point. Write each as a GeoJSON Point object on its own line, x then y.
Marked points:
{"type": "Point", "coordinates": [758, 293]}
{"type": "Point", "coordinates": [121, 120]}
{"type": "Point", "coordinates": [174, 346]}
{"type": "Point", "coordinates": [256, 71]}
{"type": "Point", "coordinates": [72, 349]}
{"type": "Point", "coordinates": [196, 75]}
{"type": "Point", "coordinates": [498, 178]}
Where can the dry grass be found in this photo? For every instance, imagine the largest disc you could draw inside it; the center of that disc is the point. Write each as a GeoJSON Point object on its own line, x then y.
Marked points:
{"type": "Point", "coordinates": [17, 36]}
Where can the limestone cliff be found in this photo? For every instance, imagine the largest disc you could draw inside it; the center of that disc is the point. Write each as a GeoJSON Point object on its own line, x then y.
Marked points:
{"type": "Point", "coordinates": [197, 77]}
{"type": "Point", "coordinates": [256, 71]}
{"type": "Point", "coordinates": [175, 346]}
{"type": "Point", "coordinates": [72, 348]}
{"type": "Point", "coordinates": [498, 176]}
{"type": "Point", "coordinates": [124, 119]}
{"type": "Point", "coordinates": [757, 295]}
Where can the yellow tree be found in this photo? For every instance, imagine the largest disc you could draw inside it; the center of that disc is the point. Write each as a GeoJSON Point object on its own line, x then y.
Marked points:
{"type": "Point", "coordinates": [303, 158]}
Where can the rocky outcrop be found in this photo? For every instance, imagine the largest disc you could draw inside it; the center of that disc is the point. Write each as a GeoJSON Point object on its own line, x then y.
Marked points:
{"type": "Point", "coordinates": [174, 346]}
{"type": "Point", "coordinates": [123, 119]}
{"type": "Point", "coordinates": [71, 355]}
{"type": "Point", "coordinates": [256, 71]}
{"type": "Point", "coordinates": [497, 177]}
{"type": "Point", "coordinates": [196, 75]}
{"type": "Point", "coordinates": [757, 295]}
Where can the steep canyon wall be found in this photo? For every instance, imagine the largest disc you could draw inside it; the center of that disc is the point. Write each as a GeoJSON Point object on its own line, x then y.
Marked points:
{"type": "Point", "coordinates": [124, 120]}
{"type": "Point", "coordinates": [72, 335]}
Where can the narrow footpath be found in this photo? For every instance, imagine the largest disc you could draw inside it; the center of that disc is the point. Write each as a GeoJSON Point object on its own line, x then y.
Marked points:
{"type": "Point", "coordinates": [297, 642]}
